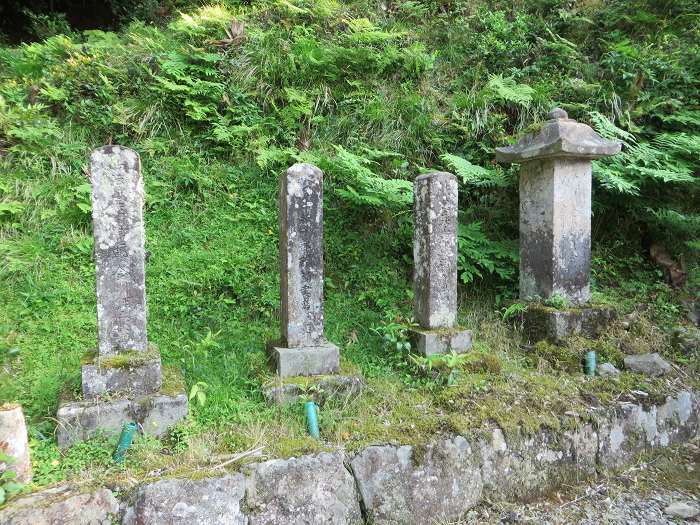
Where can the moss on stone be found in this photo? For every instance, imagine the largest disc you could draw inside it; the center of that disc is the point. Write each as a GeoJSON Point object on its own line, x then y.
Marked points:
{"type": "Point", "coordinates": [566, 357]}
{"type": "Point", "coordinates": [129, 359]}
{"type": "Point", "coordinates": [418, 453]}
{"type": "Point", "coordinates": [299, 445]}
{"type": "Point", "coordinates": [347, 368]}
{"type": "Point", "coordinates": [484, 363]}
{"type": "Point", "coordinates": [173, 382]}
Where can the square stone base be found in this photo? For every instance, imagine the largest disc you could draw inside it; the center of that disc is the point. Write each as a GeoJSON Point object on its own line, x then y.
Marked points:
{"type": "Point", "coordinates": [442, 341]}
{"type": "Point", "coordinates": [541, 322]}
{"type": "Point", "coordinates": [155, 413]}
{"type": "Point", "coordinates": [317, 389]}
{"type": "Point", "coordinates": [127, 375]}
{"type": "Point", "coordinates": [305, 361]}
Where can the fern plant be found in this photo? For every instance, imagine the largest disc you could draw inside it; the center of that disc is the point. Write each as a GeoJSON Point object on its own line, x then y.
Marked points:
{"type": "Point", "coordinates": [474, 175]}
{"type": "Point", "coordinates": [647, 170]}
{"type": "Point", "coordinates": [478, 255]}
{"type": "Point", "coordinates": [365, 188]}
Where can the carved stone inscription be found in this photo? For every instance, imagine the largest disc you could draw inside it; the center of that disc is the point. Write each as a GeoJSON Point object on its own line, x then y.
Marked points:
{"type": "Point", "coordinates": [117, 216]}
{"type": "Point", "coordinates": [301, 255]}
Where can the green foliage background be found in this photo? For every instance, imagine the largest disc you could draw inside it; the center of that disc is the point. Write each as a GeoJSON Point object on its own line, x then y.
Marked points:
{"type": "Point", "coordinates": [373, 94]}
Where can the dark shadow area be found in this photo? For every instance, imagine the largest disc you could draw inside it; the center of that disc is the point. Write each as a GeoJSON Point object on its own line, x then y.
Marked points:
{"type": "Point", "coordinates": [30, 20]}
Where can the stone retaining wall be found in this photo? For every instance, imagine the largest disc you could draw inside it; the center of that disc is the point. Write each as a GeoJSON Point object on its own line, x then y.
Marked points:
{"type": "Point", "coordinates": [384, 484]}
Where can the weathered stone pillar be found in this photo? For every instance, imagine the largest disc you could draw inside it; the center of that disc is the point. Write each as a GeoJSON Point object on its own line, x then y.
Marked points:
{"type": "Point", "coordinates": [120, 271]}
{"type": "Point", "coordinates": [304, 350]}
{"type": "Point", "coordinates": [555, 206]}
{"type": "Point", "coordinates": [435, 262]}
{"type": "Point", "coordinates": [117, 218]}
{"type": "Point", "coordinates": [14, 442]}
{"type": "Point", "coordinates": [125, 368]}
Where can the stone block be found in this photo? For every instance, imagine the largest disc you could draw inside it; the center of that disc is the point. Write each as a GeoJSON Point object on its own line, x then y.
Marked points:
{"type": "Point", "coordinates": [541, 322]}
{"type": "Point", "coordinates": [158, 413]}
{"type": "Point", "coordinates": [442, 341]}
{"type": "Point", "coordinates": [607, 369]}
{"type": "Point", "coordinates": [338, 387]}
{"type": "Point", "coordinates": [305, 491]}
{"type": "Point", "coordinates": [521, 466]}
{"type": "Point", "coordinates": [631, 428]}
{"type": "Point", "coordinates": [61, 505]}
{"type": "Point", "coordinates": [650, 364]}
{"type": "Point", "coordinates": [214, 501]}
{"type": "Point", "coordinates": [559, 137]}
{"type": "Point", "coordinates": [306, 361]}
{"type": "Point", "coordinates": [555, 206]}
{"type": "Point", "coordinates": [14, 443]}
{"type": "Point", "coordinates": [128, 376]}
{"type": "Point", "coordinates": [80, 420]}
{"type": "Point", "coordinates": [555, 230]}
{"type": "Point", "coordinates": [431, 484]}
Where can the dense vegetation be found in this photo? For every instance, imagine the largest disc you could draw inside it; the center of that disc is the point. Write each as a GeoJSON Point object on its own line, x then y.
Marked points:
{"type": "Point", "coordinates": [219, 99]}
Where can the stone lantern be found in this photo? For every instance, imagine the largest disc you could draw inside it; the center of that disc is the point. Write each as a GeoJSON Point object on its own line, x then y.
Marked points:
{"type": "Point", "coordinates": [555, 207]}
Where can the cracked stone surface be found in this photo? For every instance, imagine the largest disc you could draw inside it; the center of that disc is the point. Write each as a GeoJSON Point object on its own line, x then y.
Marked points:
{"type": "Point", "coordinates": [62, 505]}
{"type": "Point", "coordinates": [214, 501]}
{"type": "Point", "coordinates": [303, 491]}
{"type": "Point", "coordinates": [451, 480]}
{"type": "Point", "coordinates": [303, 350]}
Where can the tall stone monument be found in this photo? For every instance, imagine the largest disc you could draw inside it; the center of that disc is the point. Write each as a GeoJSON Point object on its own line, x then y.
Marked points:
{"type": "Point", "coordinates": [555, 211]}
{"type": "Point", "coordinates": [435, 266]}
{"type": "Point", "coordinates": [303, 350]}
{"type": "Point", "coordinates": [122, 381]}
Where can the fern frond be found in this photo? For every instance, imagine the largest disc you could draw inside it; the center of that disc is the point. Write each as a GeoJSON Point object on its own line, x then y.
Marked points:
{"type": "Point", "coordinates": [613, 180]}
{"type": "Point", "coordinates": [688, 223]}
{"type": "Point", "coordinates": [508, 90]}
{"type": "Point", "coordinates": [683, 117]}
{"type": "Point", "coordinates": [364, 187]}
{"type": "Point", "coordinates": [609, 130]}
{"type": "Point", "coordinates": [682, 142]}
{"type": "Point", "coordinates": [473, 175]}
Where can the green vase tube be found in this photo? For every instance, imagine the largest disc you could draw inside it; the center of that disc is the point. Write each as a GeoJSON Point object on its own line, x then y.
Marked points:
{"type": "Point", "coordinates": [590, 363]}
{"type": "Point", "coordinates": [125, 440]}
{"type": "Point", "coordinates": [312, 419]}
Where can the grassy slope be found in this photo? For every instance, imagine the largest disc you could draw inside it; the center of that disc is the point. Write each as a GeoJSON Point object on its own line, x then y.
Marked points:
{"type": "Point", "coordinates": [210, 157]}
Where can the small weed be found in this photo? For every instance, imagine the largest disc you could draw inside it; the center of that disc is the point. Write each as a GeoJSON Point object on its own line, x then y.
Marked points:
{"type": "Point", "coordinates": [513, 311]}
{"type": "Point", "coordinates": [557, 301]}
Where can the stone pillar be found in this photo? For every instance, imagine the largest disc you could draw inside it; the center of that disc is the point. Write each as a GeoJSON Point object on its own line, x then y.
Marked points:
{"type": "Point", "coordinates": [555, 206]}
{"type": "Point", "coordinates": [120, 271]}
{"type": "Point", "coordinates": [120, 260]}
{"type": "Point", "coordinates": [14, 442]}
{"type": "Point", "coordinates": [304, 350]}
{"type": "Point", "coordinates": [435, 265]}
{"type": "Point", "coordinates": [122, 381]}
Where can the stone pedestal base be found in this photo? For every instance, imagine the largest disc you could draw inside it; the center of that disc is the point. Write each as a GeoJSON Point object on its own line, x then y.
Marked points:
{"type": "Point", "coordinates": [318, 390]}
{"type": "Point", "coordinates": [442, 341]}
{"type": "Point", "coordinates": [305, 360]}
{"type": "Point", "coordinates": [541, 322]}
{"type": "Point", "coordinates": [155, 413]}
{"type": "Point", "coordinates": [131, 374]}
